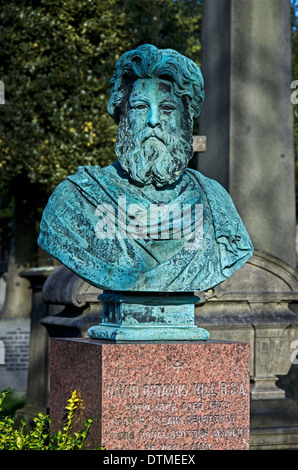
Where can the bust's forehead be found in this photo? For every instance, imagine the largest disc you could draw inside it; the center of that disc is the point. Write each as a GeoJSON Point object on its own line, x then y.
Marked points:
{"type": "Point", "coordinates": [148, 61]}
{"type": "Point", "coordinates": [151, 87]}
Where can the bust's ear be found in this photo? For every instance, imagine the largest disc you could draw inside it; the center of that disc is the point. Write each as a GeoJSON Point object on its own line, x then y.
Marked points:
{"type": "Point", "coordinates": [122, 111]}
{"type": "Point", "coordinates": [189, 114]}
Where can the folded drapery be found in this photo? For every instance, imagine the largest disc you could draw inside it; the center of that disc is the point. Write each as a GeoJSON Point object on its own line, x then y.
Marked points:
{"type": "Point", "coordinates": [98, 224]}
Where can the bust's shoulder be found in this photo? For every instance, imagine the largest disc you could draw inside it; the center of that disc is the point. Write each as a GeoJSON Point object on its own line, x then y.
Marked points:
{"type": "Point", "coordinates": [87, 172]}
{"type": "Point", "coordinates": [84, 172]}
{"type": "Point", "coordinates": [208, 184]}
{"type": "Point", "coordinates": [89, 182]}
{"type": "Point", "coordinates": [68, 187]}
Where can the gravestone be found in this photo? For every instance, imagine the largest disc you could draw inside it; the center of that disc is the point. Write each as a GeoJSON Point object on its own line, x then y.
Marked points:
{"type": "Point", "coordinates": [14, 345]}
{"type": "Point", "coordinates": [160, 396]}
{"type": "Point", "coordinates": [150, 232]}
{"type": "Point", "coordinates": [14, 338]}
{"type": "Point", "coordinates": [37, 388]}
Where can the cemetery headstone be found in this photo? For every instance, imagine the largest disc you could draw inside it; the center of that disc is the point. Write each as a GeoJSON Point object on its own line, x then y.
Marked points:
{"type": "Point", "coordinates": [150, 232]}
{"type": "Point", "coordinates": [14, 358]}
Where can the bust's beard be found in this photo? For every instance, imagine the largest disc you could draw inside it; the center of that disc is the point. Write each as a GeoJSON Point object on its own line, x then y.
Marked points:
{"type": "Point", "coordinates": [152, 156]}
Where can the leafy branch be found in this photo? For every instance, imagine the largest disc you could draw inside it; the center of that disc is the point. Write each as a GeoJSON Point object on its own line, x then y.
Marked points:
{"type": "Point", "coordinates": [13, 437]}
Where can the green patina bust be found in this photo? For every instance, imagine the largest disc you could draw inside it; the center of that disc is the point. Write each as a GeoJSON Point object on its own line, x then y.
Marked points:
{"type": "Point", "coordinates": [146, 229]}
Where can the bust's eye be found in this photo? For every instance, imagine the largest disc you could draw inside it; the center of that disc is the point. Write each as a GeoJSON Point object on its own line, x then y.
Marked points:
{"type": "Point", "coordinates": [167, 108]}
{"type": "Point", "coordinates": [140, 107]}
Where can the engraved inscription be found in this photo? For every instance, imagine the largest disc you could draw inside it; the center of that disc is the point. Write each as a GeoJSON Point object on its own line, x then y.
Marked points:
{"type": "Point", "coordinates": [147, 390]}
{"type": "Point", "coordinates": [124, 390]}
{"type": "Point", "coordinates": [167, 412]}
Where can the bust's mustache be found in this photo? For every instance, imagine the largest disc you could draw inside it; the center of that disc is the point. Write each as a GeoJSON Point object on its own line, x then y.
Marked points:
{"type": "Point", "coordinates": [156, 133]}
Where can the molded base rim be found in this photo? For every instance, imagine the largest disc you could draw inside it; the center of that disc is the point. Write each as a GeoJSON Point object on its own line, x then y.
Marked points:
{"type": "Point", "coordinates": [147, 333]}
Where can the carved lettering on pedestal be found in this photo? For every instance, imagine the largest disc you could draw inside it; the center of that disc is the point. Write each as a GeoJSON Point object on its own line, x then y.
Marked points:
{"type": "Point", "coordinates": [166, 412]}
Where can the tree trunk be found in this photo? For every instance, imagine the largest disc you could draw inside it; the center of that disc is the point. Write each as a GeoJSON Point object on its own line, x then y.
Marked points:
{"type": "Point", "coordinates": [22, 252]}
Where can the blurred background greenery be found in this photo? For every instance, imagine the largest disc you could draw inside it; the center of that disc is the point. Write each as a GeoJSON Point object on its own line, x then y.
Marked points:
{"type": "Point", "coordinates": [56, 60]}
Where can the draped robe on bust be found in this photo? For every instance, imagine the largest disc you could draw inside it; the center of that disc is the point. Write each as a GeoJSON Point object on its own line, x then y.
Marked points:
{"type": "Point", "coordinates": [127, 263]}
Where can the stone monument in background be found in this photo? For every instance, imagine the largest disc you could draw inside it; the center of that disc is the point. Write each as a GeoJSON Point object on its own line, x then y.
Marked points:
{"type": "Point", "coordinates": [151, 233]}
{"type": "Point", "coordinates": [248, 116]}
{"type": "Point", "coordinates": [248, 121]}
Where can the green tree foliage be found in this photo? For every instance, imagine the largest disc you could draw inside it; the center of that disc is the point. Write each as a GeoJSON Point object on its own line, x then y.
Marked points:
{"type": "Point", "coordinates": [56, 62]}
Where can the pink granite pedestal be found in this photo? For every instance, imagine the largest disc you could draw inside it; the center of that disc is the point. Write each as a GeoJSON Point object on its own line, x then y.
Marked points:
{"type": "Point", "coordinates": [155, 396]}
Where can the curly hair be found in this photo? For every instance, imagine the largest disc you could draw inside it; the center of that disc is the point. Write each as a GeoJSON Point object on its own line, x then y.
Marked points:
{"type": "Point", "coordinates": [147, 61]}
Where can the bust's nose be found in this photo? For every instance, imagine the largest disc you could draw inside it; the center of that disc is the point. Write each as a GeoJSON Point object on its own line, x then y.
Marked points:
{"type": "Point", "coordinates": [153, 118]}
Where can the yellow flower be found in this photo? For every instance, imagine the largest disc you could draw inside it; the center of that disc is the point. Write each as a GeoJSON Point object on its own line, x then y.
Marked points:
{"type": "Point", "coordinates": [87, 126]}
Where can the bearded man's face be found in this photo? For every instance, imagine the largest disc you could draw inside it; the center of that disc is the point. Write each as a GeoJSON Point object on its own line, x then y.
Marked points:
{"type": "Point", "coordinates": [154, 137]}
